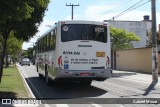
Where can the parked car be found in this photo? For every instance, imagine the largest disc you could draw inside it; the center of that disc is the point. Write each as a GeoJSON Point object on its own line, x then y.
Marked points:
{"type": "Point", "coordinates": [25, 61]}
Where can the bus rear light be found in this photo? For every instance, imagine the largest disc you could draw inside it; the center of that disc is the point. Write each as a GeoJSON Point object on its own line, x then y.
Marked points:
{"type": "Point", "coordinates": [60, 61]}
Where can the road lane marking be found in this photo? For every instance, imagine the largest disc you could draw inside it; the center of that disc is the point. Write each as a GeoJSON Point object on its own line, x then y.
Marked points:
{"type": "Point", "coordinates": [62, 105]}
{"type": "Point", "coordinates": [26, 82]}
{"type": "Point", "coordinates": [96, 105]}
{"type": "Point", "coordinates": [22, 74]}
{"type": "Point", "coordinates": [121, 105]}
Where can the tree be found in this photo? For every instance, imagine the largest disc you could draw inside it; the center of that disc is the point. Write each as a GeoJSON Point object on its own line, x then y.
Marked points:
{"type": "Point", "coordinates": [21, 17]}
{"type": "Point", "coordinates": [14, 46]}
{"type": "Point", "coordinates": [16, 10]}
{"type": "Point", "coordinates": [1, 40]}
{"type": "Point", "coordinates": [28, 53]}
{"type": "Point", "coordinates": [121, 39]}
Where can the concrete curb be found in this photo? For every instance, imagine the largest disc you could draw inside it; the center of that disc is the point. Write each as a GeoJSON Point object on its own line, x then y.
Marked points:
{"type": "Point", "coordinates": [23, 76]}
{"type": "Point", "coordinates": [30, 92]}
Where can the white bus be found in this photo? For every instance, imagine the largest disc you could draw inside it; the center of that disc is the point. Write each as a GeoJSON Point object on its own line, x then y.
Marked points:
{"type": "Point", "coordinates": [75, 50]}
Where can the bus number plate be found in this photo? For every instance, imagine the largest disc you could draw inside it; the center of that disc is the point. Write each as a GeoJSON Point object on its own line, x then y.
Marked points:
{"type": "Point", "coordinates": [100, 54]}
{"type": "Point", "coordinates": [84, 74]}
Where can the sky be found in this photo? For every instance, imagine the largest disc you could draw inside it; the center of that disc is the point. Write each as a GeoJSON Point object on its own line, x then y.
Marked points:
{"type": "Point", "coordinates": [94, 10]}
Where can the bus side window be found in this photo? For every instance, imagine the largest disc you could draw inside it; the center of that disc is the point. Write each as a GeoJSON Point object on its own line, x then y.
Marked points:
{"type": "Point", "coordinates": [51, 43]}
{"type": "Point", "coordinates": [40, 46]}
{"type": "Point", "coordinates": [37, 47]}
{"type": "Point", "coordinates": [53, 40]}
{"type": "Point", "coordinates": [43, 44]}
{"type": "Point", "coordinates": [48, 41]}
{"type": "Point", "coordinates": [45, 41]}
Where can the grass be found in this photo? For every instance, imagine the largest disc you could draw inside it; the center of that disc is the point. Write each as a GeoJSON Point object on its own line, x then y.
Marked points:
{"type": "Point", "coordinates": [12, 85]}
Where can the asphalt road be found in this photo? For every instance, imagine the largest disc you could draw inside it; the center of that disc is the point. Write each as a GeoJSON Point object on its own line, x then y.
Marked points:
{"type": "Point", "coordinates": [115, 87]}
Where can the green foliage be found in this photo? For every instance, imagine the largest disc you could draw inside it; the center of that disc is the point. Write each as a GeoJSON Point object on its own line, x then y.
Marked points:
{"type": "Point", "coordinates": [121, 39]}
{"type": "Point", "coordinates": [25, 54]}
{"type": "Point", "coordinates": [1, 41]}
{"type": "Point", "coordinates": [28, 53]}
{"type": "Point", "coordinates": [14, 10]}
{"type": "Point", "coordinates": [27, 28]}
{"type": "Point", "coordinates": [14, 45]}
{"type": "Point", "coordinates": [22, 17]}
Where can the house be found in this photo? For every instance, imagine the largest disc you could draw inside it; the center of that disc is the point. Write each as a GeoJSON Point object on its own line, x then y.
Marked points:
{"type": "Point", "coordinates": [138, 59]}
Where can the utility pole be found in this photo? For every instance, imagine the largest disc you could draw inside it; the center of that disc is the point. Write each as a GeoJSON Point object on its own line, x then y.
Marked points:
{"type": "Point", "coordinates": [154, 43]}
{"type": "Point", "coordinates": [72, 9]}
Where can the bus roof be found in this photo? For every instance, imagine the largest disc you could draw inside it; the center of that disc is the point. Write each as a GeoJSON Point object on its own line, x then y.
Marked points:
{"type": "Point", "coordinates": [49, 30]}
{"type": "Point", "coordinates": [81, 22]}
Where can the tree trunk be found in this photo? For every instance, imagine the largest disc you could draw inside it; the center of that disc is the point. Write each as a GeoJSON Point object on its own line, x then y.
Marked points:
{"type": "Point", "coordinates": [5, 38]}
{"type": "Point", "coordinates": [0, 59]}
{"type": "Point", "coordinates": [6, 59]}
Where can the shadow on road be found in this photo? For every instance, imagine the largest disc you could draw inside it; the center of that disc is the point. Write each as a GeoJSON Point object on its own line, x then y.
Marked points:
{"type": "Point", "coordinates": [62, 91]}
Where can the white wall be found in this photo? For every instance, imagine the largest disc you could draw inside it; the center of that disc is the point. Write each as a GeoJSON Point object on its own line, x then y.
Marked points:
{"type": "Point", "coordinates": [138, 27]}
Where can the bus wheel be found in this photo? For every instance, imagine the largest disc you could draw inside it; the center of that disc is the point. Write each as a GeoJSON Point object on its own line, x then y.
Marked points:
{"type": "Point", "coordinates": [46, 77]}
{"type": "Point", "coordinates": [37, 68]}
{"type": "Point", "coordinates": [40, 75]}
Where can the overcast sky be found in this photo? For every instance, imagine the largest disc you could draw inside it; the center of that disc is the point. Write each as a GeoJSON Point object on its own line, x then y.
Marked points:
{"type": "Point", "coordinates": [95, 10]}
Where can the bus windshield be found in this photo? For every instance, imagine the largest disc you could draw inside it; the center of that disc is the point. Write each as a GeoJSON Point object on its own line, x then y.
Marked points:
{"type": "Point", "coordinates": [71, 32]}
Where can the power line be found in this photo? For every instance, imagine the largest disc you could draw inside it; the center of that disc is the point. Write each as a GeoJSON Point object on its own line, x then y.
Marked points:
{"type": "Point", "coordinates": [112, 6]}
{"type": "Point", "coordinates": [131, 8]}
{"type": "Point", "coordinates": [113, 9]}
{"type": "Point", "coordinates": [117, 8]}
{"type": "Point", "coordinates": [128, 8]}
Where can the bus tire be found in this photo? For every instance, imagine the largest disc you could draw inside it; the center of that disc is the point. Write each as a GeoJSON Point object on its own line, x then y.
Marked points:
{"type": "Point", "coordinates": [47, 80]}
{"type": "Point", "coordinates": [37, 67]}
{"type": "Point", "coordinates": [46, 76]}
{"type": "Point", "coordinates": [40, 75]}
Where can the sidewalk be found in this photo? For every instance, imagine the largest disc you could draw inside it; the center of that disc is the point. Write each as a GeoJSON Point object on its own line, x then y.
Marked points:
{"type": "Point", "coordinates": [134, 76]}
